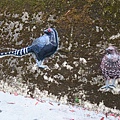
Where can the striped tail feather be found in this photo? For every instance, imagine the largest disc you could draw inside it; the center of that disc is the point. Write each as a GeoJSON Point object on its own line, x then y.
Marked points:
{"type": "Point", "coordinates": [16, 53]}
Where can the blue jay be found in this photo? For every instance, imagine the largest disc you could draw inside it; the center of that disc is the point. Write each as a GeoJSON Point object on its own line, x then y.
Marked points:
{"type": "Point", "coordinates": [42, 47]}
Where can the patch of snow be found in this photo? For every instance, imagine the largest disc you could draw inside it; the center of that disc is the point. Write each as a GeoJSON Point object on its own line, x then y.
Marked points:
{"type": "Point", "coordinates": [83, 60]}
{"type": "Point", "coordinates": [115, 36]}
{"type": "Point", "coordinates": [25, 17]}
{"type": "Point", "coordinates": [16, 107]}
{"type": "Point", "coordinates": [65, 64]}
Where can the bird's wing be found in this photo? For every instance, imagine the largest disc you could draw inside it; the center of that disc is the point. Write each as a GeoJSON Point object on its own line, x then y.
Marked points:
{"type": "Point", "coordinates": [102, 63]}
{"type": "Point", "coordinates": [103, 67]}
{"type": "Point", "coordinates": [41, 41]}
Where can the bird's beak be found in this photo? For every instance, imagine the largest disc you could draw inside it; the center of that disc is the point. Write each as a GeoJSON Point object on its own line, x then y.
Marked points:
{"type": "Point", "coordinates": [107, 51]}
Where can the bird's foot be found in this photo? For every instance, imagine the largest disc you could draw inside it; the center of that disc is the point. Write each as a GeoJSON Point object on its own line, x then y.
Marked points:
{"type": "Point", "coordinates": [104, 87]}
{"type": "Point", "coordinates": [107, 87]}
{"type": "Point", "coordinates": [112, 86]}
{"type": "Point", "coordinates": [43, 66]}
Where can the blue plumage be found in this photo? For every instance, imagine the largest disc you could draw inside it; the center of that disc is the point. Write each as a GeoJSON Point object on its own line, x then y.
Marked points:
{"type": "Point", "coordinates": [42, 47]}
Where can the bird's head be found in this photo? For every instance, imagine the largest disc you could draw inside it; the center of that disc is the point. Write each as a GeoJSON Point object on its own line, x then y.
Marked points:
{"type": "Point", "coordinates": [48, 31]}
{"type": "Point", "coordinates": [53, 35]}
{"type": "Point", "coordinates": [111, 50]}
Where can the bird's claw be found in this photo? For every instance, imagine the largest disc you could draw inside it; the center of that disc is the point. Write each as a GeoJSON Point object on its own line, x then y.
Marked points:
{"type": "Point", "coordinates": [104, 87]}
{"type": "Point", "coordinates": [112, 86]}
{"type": "Point", "coordinates": [107, 87]}
{"type": "Point", "coordinates": [44, 67]}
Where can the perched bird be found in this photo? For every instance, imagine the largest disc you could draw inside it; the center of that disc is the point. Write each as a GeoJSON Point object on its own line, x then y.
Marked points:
{"type": "Point", "coordinates": [42, 47]}
{"type": "Point", "coordinates": [110, 66]}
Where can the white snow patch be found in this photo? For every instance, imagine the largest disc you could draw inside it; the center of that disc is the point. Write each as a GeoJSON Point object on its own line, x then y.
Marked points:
{"type": "Point", "coordinates": [98, 29]}
{"type": "Point", "coordinates": [65, 64]}
{"type": "Point", "coordinates": [25, 17]}
{"type": "Point", "coordinates": [83, 60]}
{"type": "Point", "coordinates": [16, 107]}
{"type": "Point", "coordinates": [115, 36]}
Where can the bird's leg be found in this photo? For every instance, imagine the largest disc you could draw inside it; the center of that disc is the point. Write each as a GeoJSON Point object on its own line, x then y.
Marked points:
{"type": "Point", "coordinates": [113, 84]}
{"type": "Point", "coordinates": [106, 86]}
{"type": "Point", "coordinates": [40, 64]}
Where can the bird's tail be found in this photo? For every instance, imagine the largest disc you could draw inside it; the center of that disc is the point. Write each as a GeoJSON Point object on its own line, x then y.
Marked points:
{"type": "Point", "coordinates": [16, 53]}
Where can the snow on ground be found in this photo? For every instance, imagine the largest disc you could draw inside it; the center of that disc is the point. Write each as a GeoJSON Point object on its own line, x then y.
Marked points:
{"type": "Point", "coordinates": [17, 107]}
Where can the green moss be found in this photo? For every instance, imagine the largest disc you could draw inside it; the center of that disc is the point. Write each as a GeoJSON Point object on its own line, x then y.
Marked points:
{"type": "Point", "coordinates": [76, 100]}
